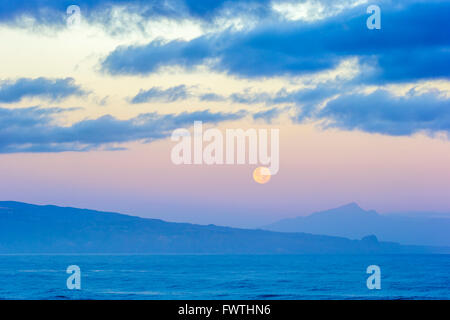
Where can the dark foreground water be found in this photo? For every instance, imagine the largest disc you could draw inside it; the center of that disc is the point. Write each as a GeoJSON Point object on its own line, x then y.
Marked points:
{"type": "Point", "coordinates": [224, 277]}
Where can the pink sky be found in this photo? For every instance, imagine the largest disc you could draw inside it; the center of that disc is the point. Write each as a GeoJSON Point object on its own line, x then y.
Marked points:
{"type": "Point", "coordinates": [319, 170]}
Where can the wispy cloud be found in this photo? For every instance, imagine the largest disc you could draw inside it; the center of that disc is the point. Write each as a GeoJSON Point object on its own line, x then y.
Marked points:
{"type": "Point", "coordinates": [52, 89]}
{"type": "Point", "coordinates": [164, 95]}
{"type": "Point", "coordinates": [269, 115]}
{"type": "Point", "coordinates": [212, 97]}
{"type": "Point", "coordinates": [47, 12]}
{"type": "Point", "coordinates": [34, 130]}
{"type": "Point", "coordinates": [384, 113]}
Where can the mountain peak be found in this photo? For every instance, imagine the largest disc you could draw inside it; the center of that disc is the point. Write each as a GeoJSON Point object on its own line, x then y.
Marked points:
{"type": "Point", "coordinates": [351, 210]}
{"type": "Point", "coordinates": [351, 206]}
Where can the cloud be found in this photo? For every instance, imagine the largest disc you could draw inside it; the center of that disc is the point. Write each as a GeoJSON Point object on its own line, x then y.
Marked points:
{"type": "Point", "coordinates": [248, 97]}
{"type": "Point", "coordinates": [49, 12]}
{"type": "Point", "coordinates": [148, 59]}
{"type": "Point", "coordinates": [299, 97]}
{"type": "Point", "coordinates": [302, 96]}
{"type": "Point", "coordinates": [413, 43]}
{"type": "Point", "coordinates": [212, 97]}
{"type": "Point", "coordinates": [309, 95]}
{"type": "Point", "coordinates": [269, 115]}
{"type": "Point", "coordinates": [53, 89]}
{"type": "Point", "coordinates": [157, 94]}
{"type": "Point", "coordinates": [382, 112]}
{"type": "Point", "coordinates": [34, 129]}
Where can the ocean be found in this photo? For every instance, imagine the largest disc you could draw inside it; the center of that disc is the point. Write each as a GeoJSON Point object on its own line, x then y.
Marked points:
{"type": "Point", "coordinates": [225, 277]}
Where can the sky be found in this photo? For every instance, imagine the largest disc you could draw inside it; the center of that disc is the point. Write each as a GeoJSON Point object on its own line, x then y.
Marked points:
{"type": "Point", "coordinates": [88, 104]}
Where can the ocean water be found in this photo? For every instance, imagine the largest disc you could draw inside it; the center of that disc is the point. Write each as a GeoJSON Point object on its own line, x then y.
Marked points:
{"type": "Point", "coordinates": [224, 277]}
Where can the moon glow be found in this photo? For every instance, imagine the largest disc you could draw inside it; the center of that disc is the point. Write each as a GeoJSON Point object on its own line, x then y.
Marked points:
{"type": "Point", "coordinates": [261, 175]}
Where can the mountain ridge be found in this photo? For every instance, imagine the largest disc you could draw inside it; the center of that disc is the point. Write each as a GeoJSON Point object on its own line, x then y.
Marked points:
{"type": "Point", "coordinates": [27, 228]}
{"type": "Point", "coordinates": [351, 221]}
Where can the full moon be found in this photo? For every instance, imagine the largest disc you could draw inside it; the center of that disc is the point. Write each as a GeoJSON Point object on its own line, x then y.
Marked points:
{"type": "Point", "coordinates": [261, 175]}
